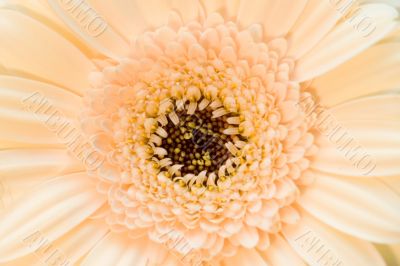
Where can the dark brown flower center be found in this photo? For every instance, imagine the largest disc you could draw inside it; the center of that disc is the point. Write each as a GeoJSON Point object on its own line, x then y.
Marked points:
{"type": "Point", "coordinates": [197, 142]}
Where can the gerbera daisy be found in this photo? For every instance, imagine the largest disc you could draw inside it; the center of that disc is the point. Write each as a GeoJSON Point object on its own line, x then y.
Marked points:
{"type": "Point", "coordinates": [199, 132]}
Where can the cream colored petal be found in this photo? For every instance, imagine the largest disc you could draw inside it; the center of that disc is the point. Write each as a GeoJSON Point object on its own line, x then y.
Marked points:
{"type": "Point", "coordinates": [360, 148]}
{"type": "Point", "coordinates": [47, 212]}
{"type": "Point", "coordinates": [31, 48]}
{"type": "Point", "coordinates": [80, 240]}
{"type": "Point", "coordinates": [212, 6]}
{"type": "Point", "coordinates": [188, 9]}
{"type": "Point", "coordinates": [20, 128]}
{"type": "Point", "coordinates": [317, 19]}
{"type": "Point", "coordinates": [377, 107]}
{"type": "Point", "coordinates": [375, 70]}
{"type": "Point", "coordinates": [34, 113]}
{"type": "Point", "coordinates": [20, 170]}
{"type": "Point", "coordinates": [356, 144]}
{"type": "Point", "coordinates": [41, 11]}
{"type": "Point", "coordinates": [155, 13]}
{"type": "Point", "coordinates": [365, 27]}
{"type": "Point", "coordinates": [277, 17]}
{"type": "Point", "coordinates": [394, 36]}
{"type": "Point", "coordinates": [83, 19]}
{"type": "Point", "coordinates": [30, 259]}
{"type": "Point", "coordinates": [123, 15]}
{"type": "Point", "coordinates": [394, 3]}
{"type": "Point", "coordinates": [251, 12]}
{"type": "Point", "coordinates": [228, 8]}
{"type": "Point", "coordinates": [120, 251]}
{"type": "Point", "coordinates": [14, 90]}
{"type": "Point", "coordinates": [33, 7]}
{"type": "Point", "coordinates": [68, 249]}
{"type": "Point", "coordinates": [365, 208]}
{"type": "Point", "coordinates": [281, 253]}
{"type": "Point", "coordinates": [319, 244]}
{"type": "Point", "coordinates": [245, 257]}
{"type": "Point", "coordinates": [281, 19]}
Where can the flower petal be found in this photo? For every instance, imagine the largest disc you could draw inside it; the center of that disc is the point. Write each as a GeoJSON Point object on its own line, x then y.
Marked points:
{"type": "Point", "coordinates": [357, 145]}
{"type": "Point", "coordinates": [51, 210]}
{"type": "Point", "coordinates": [13, 91]}
{"type": "Point", "coordinates": [42, 12]}
{"type": "Point", "coordinates": [281, 253]}
{"type": "Point", "coordinates": [123, 15]}
{"type": "Point", "coordinates": [25, 129]}
{"type": "Point", "coordinates": [34, 113]}
{"type": "Point", "coordinates": [120, 251]}
{"type": "Point", "coordinates": [372, 71]}
{"type": "Point", "coordinates": [228, 8]}
{"type": "Point", "coordinates": [317, 19]}
{"type": "Point", "coordinates": [376, 107]}
{"type": "Point", "coordinates": [31, 48]}
{"type": "Point", "coordinates": [277, 17]}
{"type": "Point", "coordinates": [76, 243]}
{"type": "Point", "coordinates": [394, 3]}
{"type": "Point", "coordinates": [365, 208]}
{"type": "Point", "coordinates": [92, 28]}
{"type": "Point", "coordinates": [21, 170]}
{"type": "Point", "coordinates": [245, 257]}
{"type": "Point", "coordinates": [319, 244]}
{"type": "Point", "coordinates": [133, 17]}
{"type": "Point", "coordinates": [347, 40]}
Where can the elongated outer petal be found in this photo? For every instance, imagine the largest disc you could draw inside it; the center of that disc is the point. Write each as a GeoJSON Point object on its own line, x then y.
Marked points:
{"type": "Point", "coordinates": [319, 244]}
{"type": "Point", "coordinates": [31, 48]}
{"type": "Point", "coordinates": [48, 212]}
{"type": "Point", "coordinates": [376, 107]}
{"type": "Point", "coordinates": [347, 40]}
{"type": "Point", "coordinates": [42, 12]}
{"type": "Point", "coordinates": [80, 240]}
{"type": "Point", "coordinates": [22, 169]}
{"type": "Point", "coordinates": [316, 20]}
{"type": "Point", "coordinates": [46, 111]}
{"type": "Point", "coordinates": [15, 92]}
{"type": "Point", "coordinates": [365, 208]}
{"type": "Point", "coordinates": [372, 71]}
{"type": "Point", "coordinates": [84, 20]}
{"type": "Point", "coordinates": [245, 257]}
{"type": "Point", "coordinates": [132, 17]}
{"type": "Point", "coordinates": [120, 251]}
{"type": "Point", "coordinates": [68, 249]}
{"type": "Point", "coordinates": [276, 17]}
{"type": "Point", "coordinates": [360, 138]}
{"type": "Point", "coordinates": [281, 253]}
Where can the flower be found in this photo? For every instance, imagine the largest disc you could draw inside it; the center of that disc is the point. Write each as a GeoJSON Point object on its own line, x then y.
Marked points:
{"type": "Point", "coordinates": [195, 132]}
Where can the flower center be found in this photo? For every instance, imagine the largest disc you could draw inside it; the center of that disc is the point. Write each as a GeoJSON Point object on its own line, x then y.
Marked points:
{"type": "Point", "coordinates": [197, 142]}
{"type": "Point", "coordinates": [192, 139]}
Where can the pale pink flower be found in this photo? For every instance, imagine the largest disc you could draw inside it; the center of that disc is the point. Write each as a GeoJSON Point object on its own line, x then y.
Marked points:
{"type": "Point", "coordinates": [199, 132]}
